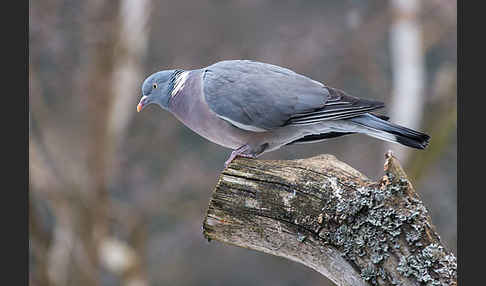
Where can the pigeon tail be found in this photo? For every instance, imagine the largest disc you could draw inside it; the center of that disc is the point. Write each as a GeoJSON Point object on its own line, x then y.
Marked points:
{"type": "Point", "coordinates": [387, 131]}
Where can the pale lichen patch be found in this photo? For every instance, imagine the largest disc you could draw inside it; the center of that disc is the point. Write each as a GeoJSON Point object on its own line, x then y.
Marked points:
{"type": "Point", "coordinates": [239, 181]}
{"type": "Point", "coordinates": [320, 218]}
{"type": "Point", "coordinates": [424, 264]}
{"type": "Point", "coordinates": [212, 221]}
{"type": "Point", "coordinates": [252, 203]}
{"type": "Point", "coordinates": [287, 198]}
{"type": "Point", "coordinates": [239, 173]}
{"type": "Point", "coordinates": [372, 226]}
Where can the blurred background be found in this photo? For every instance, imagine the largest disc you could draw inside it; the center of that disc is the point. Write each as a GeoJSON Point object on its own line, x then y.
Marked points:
{"type": "Point", "coordinates": [118, 198]}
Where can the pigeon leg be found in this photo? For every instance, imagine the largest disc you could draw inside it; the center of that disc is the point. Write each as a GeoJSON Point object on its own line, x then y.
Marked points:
{"type": "Point", "coordinates": [239, 152]}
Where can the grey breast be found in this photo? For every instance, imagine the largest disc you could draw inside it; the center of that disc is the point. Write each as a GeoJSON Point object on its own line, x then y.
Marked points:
{"type": "Point", "coordinates": [189, 106]}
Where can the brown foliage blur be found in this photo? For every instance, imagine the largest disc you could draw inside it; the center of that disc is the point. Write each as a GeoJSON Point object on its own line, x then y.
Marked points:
{"type": "Point", "coordinates": [118, 198]}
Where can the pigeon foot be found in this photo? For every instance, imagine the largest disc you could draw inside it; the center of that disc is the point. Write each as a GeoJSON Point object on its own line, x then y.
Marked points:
{"type": "Point", "coordinates": [239, 152]}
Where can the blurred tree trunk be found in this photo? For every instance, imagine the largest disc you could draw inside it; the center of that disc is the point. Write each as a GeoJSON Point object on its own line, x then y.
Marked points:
{"type": "Point", "coordinates": [406, 107]}
{"type": "Point", "coordinates": [127, 76]}
{"type": "Point", "coordinates": [324, 214]}
{"type": "Point", "coordinates": [82, 248]}
{"type": "Point", "coordinates": [443, 123]}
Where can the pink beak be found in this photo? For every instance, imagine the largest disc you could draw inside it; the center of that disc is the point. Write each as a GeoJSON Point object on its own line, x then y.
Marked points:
{"type": "Point", "coordinates": [141, 103]}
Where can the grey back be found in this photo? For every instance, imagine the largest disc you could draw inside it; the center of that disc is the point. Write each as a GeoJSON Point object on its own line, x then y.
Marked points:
{"type": "Point", "coordinates": [260, 95]}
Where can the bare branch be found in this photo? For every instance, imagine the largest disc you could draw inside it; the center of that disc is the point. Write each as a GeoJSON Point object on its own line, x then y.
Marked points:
{"type": "Point", "coordinates": [324, 214]}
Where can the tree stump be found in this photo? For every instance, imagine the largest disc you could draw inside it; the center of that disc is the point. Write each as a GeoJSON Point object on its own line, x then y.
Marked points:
{"type": "Point", "coordinates": [324, 214]}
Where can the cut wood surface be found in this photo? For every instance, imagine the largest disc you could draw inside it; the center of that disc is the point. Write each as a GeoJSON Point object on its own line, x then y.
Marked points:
{"type": "Point", "coordinates": [324, 214]}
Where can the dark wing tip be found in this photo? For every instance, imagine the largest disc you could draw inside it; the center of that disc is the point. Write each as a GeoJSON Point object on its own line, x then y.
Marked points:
{"type": "Point", "coordinates": [419, 142]}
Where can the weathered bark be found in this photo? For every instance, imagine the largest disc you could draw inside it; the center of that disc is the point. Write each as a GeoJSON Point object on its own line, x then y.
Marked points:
{"type": "Point", "coordinates": [324, 214]}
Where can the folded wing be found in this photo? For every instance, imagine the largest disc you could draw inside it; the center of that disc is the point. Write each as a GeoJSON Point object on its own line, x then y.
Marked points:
{"type": "Point", "coordinates": [338, 106]}
{"type": "Point", "coordinates": [258, 97]}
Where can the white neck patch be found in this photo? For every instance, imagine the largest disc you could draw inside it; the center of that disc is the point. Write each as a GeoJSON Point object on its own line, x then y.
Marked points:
{"type": "Point", "coordinates": [179, 83]}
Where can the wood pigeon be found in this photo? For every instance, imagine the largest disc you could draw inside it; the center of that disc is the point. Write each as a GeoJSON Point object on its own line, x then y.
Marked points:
{"type": "Point", "coordinates": [253, 107]}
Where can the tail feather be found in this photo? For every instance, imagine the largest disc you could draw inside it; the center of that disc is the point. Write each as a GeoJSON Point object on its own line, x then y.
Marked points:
{"type": "Point", "coordinates": [392, 132]}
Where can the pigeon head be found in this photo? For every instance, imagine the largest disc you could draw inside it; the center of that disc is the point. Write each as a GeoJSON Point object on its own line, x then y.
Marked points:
{"type": "Point", "coordinates": [157, 89]}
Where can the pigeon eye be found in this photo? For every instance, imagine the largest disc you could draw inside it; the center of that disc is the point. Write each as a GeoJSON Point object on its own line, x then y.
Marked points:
{"type": "Point", "coordinates": [155, 85]}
